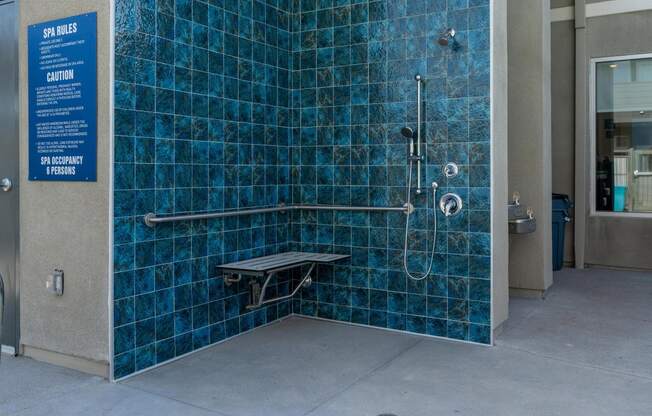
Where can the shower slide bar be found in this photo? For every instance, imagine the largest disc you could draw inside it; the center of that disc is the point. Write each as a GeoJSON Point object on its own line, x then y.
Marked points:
{"type": "Point", "coordinates": [152, 219]}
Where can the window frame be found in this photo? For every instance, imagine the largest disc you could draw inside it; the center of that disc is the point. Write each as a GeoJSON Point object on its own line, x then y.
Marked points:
{"type": "Point", "coordinates": [593, 133]}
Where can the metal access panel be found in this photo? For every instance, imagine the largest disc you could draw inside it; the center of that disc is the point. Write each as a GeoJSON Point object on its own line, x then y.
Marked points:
{"type": "Point", "coordinates": [9, 173]}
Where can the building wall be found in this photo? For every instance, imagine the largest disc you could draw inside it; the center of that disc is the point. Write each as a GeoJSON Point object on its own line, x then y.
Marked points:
{"type": "Point", "coordinates": [563, 118]}
{"type": "Point", "coordinates": [66, 225]}
{"type": "Point", "coordinates": [612, 35]}
{"type": "Point", "coordinates": [499, 164]}
{"type": "Point", "coordinates": [619, 242]}
{"type": "Point", "coordinates": [530, 255]}
{"type": "Point", "coordinates": [355, 90]}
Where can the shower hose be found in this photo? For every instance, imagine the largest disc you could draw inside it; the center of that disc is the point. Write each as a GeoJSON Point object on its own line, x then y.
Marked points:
{"type": "Point", "coordinates": [407, 229]}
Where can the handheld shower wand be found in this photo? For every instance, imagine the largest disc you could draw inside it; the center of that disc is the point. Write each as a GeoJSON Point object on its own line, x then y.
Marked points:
{"type": "Point", "coordinates": [408, 133]}
{"type": "Point", "coordinates": [416, 156]}
{"type": "Point", "coordinates": [407, 231]}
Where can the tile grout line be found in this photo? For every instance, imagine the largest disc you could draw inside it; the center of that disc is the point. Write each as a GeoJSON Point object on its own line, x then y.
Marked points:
{"type": "Point", "coordinates": [578, 364]}
{"type": "Point", "coordinates": [363, 377]}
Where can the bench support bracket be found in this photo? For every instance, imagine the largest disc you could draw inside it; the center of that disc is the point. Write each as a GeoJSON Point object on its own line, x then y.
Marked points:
{"type": "Point", "coordinates": [258, 294]}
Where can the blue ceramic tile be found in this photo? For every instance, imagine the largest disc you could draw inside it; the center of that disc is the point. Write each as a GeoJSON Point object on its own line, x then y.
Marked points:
{"type": "Point", "coordinates": [144, 280]}
{"type": "Point", "coordinates": [480, 312]}
{"type": "Point", "coordinates": [165, 350]}
{"type": "Point", "coordinates": [145, 357]}
{"type": "Point", "coordinates": [458, 330]}
{"type": "Point", "coordinates": [480, 333]}
{"type": "Point", "coordinates": [183, 344]}
{"type": "Point", "coordinates": [124, 364]}
{"type": "Point", "coordinates": [145, 332]}
{"type": "Point", "coordinates": [145, 306]}
{"type": "Point", "coordinates": [124, 339]}
{"type": "Point", "coordinates": [479, 290]}
{"type": "Point", "coordinates": [437, 327]}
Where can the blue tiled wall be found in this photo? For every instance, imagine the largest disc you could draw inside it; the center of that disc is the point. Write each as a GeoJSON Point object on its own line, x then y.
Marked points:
{"type": "Point", "coordinates": [224, 104]}
{"type": "Point", "coordinates": [202, 123]}
{"type": "Point", "coordinates": [354, 88]}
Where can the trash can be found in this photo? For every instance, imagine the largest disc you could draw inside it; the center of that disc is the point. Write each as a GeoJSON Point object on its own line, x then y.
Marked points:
{"type": "Point", "coordinates": [561, 206]}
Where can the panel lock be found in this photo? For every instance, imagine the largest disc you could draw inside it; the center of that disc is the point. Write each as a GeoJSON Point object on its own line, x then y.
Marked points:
{"type": "Point", "coordinates": [54, 282]}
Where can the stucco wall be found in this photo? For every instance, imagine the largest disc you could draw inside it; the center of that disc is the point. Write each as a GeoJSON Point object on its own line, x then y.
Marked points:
{"type": "Point", "coordinates": [66, 224]}
{"type": "Point", "coordinates": [563, 117]}
{"type": "Point", "coordinates": [530, 265]}
{"type": "Point", "coordinates": [499, 162]}
{"type": "Point", "coordinates": [614, 35]}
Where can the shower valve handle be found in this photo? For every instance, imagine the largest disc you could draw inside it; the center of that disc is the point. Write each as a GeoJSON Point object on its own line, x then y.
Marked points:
{"type": "Point", "coordinates": [451, 204]}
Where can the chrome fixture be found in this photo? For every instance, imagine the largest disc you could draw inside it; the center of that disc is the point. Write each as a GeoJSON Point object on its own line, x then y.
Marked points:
{"type": "Point", "coordinates": [524, 225]}
{"type": "Point", "coordinates": [408, 133]}
{"type": "Point", "coordinates": [520, 219]}
{"type": "Point", "coordinates": [152, 219]}
{"type": "Point", "coordinates": [515, 209]}
{"type": "Point", "coordinates": [448, 36]}
{"type": "Point", "coordinates": [415, 154]}
{"type": "Point", "coordinates": [407, 229]}
{"type": "Point", "coordinates": [418, 149]}
{"type": "Point", "coordinates": [6, 185]}
{"type": "Point", "coordinates": [451, 170]}
{"type": "Point", "coordinates": [258, 293]}
{"type": "Point", "coordinates": [450, 204]}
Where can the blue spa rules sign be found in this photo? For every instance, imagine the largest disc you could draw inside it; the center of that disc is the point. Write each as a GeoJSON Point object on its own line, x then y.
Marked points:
{"type": "Point", "coordinates": [62, 59]}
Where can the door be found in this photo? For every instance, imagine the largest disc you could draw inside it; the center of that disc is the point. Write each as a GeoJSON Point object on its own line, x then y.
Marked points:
{"type": "Point", "coordinates": [9, 173]}
{"type": "Point", "coordinates": [642, 180]}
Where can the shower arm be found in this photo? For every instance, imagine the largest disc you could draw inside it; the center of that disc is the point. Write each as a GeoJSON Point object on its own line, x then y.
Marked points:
{"type": "Point", "coordinates": [419, 156]}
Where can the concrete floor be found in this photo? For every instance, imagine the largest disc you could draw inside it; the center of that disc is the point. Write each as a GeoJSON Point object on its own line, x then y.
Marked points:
{"type": "Point", "coordinates": [585, 350]}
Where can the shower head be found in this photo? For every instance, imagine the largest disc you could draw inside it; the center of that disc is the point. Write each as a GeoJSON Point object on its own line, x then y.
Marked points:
{"type": "Point", "coordinates": [446, 37]}
{"type": "Point", "coordinates": [407, 132]}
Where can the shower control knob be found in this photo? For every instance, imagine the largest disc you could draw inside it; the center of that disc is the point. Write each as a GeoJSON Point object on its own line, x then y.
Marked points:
{"type": "Point", "coordinates": [451, 204]}
{"type": "Point", "coordinates": [451, 170]}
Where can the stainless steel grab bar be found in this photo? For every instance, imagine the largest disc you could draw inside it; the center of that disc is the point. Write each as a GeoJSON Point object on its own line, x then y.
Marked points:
{"type": "Point", "coordinates": [152, 219]}
{"type": "Point", "coordinates": [262, 301]}
{"type": "Point", "coordinates": [348, 208]}
{"type": "Point", "coordinates": [639, 173]}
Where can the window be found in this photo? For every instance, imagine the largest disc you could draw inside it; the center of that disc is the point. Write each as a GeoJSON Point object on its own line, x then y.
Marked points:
{"type": "Point", "coordinates": [623, 135]}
